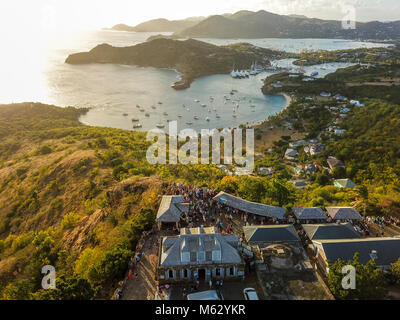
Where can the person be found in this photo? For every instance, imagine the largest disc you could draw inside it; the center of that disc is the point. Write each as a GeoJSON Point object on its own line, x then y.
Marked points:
{"type": "Point", "coordinates": [210, 283]}
{"type": "Point", "coordinates": [148, 296]}
{"type": "Point", "coordinates": [217, 284]}
{"type": "Point", "coordinates": [184, 292]}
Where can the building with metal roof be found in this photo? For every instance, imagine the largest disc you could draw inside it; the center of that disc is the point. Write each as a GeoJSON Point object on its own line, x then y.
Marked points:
{"type": "Point", "coordinates": [343, 213]}
{"type": "Point", "coordinates": [199, 253]}
{"type": "Point", "coordinates": [329, 231]}
{"type": "Point", "coordinates": [383, 250]}
{"type": "Point", "coordinates": [171, 209]}
{"type": "Point", "coordinates": [250, 207]}
{"type": "Point", "coordinates": [344, 183]}
{"type": "Point", "coordinates": [270, 234]}
{"type": "Point", "coordinates": [309, 213]}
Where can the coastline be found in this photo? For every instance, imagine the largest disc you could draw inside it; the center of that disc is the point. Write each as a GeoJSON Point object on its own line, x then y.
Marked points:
{"type": "Point", "coordinates": [289, 100]}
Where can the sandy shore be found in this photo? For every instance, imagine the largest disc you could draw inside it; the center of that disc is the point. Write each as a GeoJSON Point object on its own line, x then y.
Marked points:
{"type": "Point", "coordinates": [287, 104]}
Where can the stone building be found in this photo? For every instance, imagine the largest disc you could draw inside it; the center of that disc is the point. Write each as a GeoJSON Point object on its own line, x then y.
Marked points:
{"type": "Point", "coordinates": [199, 254]}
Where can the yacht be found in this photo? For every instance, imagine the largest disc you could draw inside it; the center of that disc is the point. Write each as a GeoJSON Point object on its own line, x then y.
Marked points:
{"type": "Point", "coordinates": [196, 118]}
{"type": "Point", "coordinates": [203, 105]}
{"type": "Point", "coordinates": [138, 125]}
{"type": "Point", "coordinates": [207, 119]}
{"type": "Point", "coordinates": [160, 125]}
{"type": "Point", "coordinates": [196, 100]}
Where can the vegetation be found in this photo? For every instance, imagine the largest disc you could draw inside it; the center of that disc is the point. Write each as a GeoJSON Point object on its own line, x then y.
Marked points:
{"type": "Point", "coordinates": [370, 281]}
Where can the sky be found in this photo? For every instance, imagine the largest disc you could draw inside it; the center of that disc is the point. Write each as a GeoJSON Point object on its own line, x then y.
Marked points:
{"type": "Point", "coordinates": [55, 15]}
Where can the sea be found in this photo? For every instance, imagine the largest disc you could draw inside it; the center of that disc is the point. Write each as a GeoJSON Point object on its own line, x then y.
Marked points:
{"type": "Point", "coordinates": [116, 94]}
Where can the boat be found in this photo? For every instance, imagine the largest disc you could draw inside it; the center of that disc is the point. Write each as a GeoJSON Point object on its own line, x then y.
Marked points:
{"type": "Point", "coordinates": [147, 115]}
{"type": "Point", "coordinates": [160, 125]}
{"type": "Point", "coordinates": [153, 107]}
{"type": "Point", "coordinates": [138, 125]}
{"type": "Point", "coordinates": [141, 110]}
{"type": "Point", "coordinates": [314, 74]}
{"type": "Point", "coordinates": [196, 118]}
{"type": "Point", "coordinates": [125, 114]}
{"type": "Point", "coordinates": [137, 106]}
{"type": "Point", "coordinates": [165, 114]}
{"type": "Point", "coordinates": [159, 102]}
{"type": "Point", "coordinates": [203, 105]}
{"type": "Point", "coordinates": [179, 116]}
{"type": "Point", "coordinates": [207, 119]}
{"type": "Point", "coordinates": [234, 115]}
{"type": "Point", "coordinates": [135, 119]}
{"type": "Point", "coordinates": [209, 110]}
{"type": "Point", "coordinates": [217, 116]}
{"type": "Point", "coordinates": [196, 100]}
{"type": "Point", "coordinates": [189, 123]}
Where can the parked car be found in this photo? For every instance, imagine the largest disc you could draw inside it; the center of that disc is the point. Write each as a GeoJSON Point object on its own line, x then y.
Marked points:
{"type": "Point", "coordinates": [250, 294]}
{"type": "Point", "coordinates": [205, 295]}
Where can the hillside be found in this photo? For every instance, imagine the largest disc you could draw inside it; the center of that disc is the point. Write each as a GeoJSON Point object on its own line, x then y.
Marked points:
{"type": "Point", "coordinates": [262, 24]}
{"type": "Point", "coordinates": [160, 25]}
{"type": "Point", "coordinates": [191, 58]}
{"type": "Point", "coordinates": [75, 197]}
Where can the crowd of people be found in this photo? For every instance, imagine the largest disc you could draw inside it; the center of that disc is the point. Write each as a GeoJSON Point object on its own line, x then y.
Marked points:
{"type": "Point", "coordinates": [204, 211]}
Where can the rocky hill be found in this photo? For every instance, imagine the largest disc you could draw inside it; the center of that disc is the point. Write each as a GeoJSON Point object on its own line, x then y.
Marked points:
{"type": "Point", "coordinates": [263, 24]}
{"type": "Point", "coordinates": [160, 25]}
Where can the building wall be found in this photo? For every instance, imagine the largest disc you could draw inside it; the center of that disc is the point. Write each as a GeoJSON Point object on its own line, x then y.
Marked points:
{"type": "Point", "coordinates": [191, 273]}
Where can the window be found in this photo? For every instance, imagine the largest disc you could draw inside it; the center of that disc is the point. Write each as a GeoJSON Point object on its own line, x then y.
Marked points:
{"type": "Point", "coordinates": [185, 257]}
{"type": "Point", "coordinates": [185, 273]}
{"type": "Point", "coordinates": [201, 256]}
{"type": "Point", "coordinates": [216, 255]}
{"type": "Point", "coordinates": [218, 272]}
{"type": "Point", "coordinates": [208, 255]}
{"type": "Point", "coordinates": [170, 274]}
{"type": "Point", "coordinates": [193, 256]}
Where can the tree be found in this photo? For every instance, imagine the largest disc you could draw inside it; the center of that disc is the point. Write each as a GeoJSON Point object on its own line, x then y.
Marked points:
{"type": "Point", "coordinates": [280, 192]}
{"type": "Point", "coordinates": [67, 288]}
{"type": "Point", "coordinates": [395, 268]}
{"type": "Point", "coordinates": [322, 178]}
{"type": "Point", "coordinates": [370, 281]}
{"type": "Point", "coordinates": [252, 189]}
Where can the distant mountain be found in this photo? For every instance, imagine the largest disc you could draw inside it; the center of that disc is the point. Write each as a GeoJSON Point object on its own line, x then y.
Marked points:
{"type": "Point", "coordinates": [192, 58]}
{"type": "Point", "coordinates": [263, 24]}
{"type": "Point", "coordinates": [160, 25]}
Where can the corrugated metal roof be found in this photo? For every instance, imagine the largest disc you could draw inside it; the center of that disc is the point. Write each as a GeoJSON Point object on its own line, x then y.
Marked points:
{"type": "Point", "coordinates": [250, 207]}
{"type": "Point", "coordinates": [387, 250]}
{"type": "Point", "coordinates": [309, 213]}
{"type": "Point", "coordinates": [330, 231]}
{"type": "Point", "coordinates": [171, 209]}
{"type": "Point", "coordinates": [343, 213]}
{"type": "Point", "coordinates": [270, 233]}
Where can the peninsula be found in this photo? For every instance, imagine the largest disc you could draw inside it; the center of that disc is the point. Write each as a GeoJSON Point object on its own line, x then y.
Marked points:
{"type": "Point", "coordinates": [191, 58]}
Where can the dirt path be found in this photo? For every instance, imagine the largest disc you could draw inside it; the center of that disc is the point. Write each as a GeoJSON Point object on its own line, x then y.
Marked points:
{"type": "Point", "coordinates": [138, 288]}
